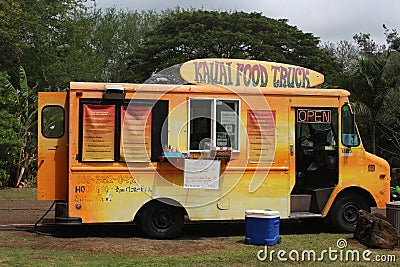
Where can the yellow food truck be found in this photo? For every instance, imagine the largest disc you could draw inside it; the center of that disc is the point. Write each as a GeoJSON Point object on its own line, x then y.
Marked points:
{"type": "Point", "coordinates": [239, 135]}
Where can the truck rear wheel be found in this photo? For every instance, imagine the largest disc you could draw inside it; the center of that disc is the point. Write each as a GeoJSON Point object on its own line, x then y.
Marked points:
{"type": "Point", "coordinates": [344, 212]}
{"type": "Point", "coordinates": [162, 221]}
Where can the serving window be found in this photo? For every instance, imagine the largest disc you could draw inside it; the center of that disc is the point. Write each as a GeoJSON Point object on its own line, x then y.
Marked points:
{"type": "Point", "coordinates": [121, 131]}
{"type": "Point", "coordinates": [213, 123]}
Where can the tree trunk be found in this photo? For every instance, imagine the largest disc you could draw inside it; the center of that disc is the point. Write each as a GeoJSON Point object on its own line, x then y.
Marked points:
{"type": "Point", "coordinates": [373, 138]}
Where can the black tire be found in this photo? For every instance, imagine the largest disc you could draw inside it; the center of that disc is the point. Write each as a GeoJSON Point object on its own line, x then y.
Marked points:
{"type": "Point", "coordinates": [344, 212]}
{"type": "Point", "coordinates": [161, 221]}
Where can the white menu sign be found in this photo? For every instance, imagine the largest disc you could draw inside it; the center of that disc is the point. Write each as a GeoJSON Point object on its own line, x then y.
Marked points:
{"type": "Point", "coordinates": [202, 174]}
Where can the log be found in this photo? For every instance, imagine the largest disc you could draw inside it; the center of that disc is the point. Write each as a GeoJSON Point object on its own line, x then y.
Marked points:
{"type": "Point", "coordinates": [374, 231]}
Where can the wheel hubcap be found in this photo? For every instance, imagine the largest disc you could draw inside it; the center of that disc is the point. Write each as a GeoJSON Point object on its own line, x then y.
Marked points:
{"type": "Point", "coordinates": [162, 219]}
{"type": "Point", "coordinates": [350, 213]}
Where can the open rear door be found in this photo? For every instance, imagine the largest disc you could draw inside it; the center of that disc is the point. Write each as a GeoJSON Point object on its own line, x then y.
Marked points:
{"type": "Point", "coordinates": [52, 146]}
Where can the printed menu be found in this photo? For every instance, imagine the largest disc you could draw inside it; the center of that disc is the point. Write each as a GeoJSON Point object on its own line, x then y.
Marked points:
{"type": "Point", "coordinates": [98, 132]}
{"type": "Point", "coordinates": [135, 133]}
{"type": "Point", "coordinates": [261, 135]}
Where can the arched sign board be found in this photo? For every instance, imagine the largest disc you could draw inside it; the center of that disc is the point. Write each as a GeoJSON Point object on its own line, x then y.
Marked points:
{"type": "Point", "coordinates": [248, 73]}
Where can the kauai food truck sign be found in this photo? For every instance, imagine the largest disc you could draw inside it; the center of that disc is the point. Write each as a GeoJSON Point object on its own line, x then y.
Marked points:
{"type": "Point", "coordinates": [248, 73]}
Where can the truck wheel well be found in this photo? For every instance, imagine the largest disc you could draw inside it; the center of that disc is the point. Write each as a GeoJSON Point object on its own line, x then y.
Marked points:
{"type": "Point", "coordinates": [343, 214]}
{"type": "Point", "coordinates": [359, 192]}
{"type": "Point", "coordinates": [164, 200]}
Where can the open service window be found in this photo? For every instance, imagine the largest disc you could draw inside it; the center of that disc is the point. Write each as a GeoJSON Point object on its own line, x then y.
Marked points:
{"type": "Point", "coordinates": [213, 123]}
{"type": "Point", "coordinates": [112, 130]}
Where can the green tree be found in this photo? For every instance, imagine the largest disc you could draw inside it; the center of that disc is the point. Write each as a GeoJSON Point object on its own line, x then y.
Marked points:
{"type": "Point", "coordinates": [45, 28]}
{"type": "Point", "coordinates": [11, 45]}
{"type": "Point", "coordinates": [84, 43]}
{"type": "Point", "coordinates": [187, 34]}
{"type": "Point", "coordinates": [371, 73]}
{"type": "Point", "coordinates": [17, 130]}
{"type": "Point", "coordinates": [57, 42]}
{"type": "Point", "coordinates": [373, 94]}
{"type": "Point", "coordinates": [376, 87]}
{"type": "Point", "coordinates": [114, 35]}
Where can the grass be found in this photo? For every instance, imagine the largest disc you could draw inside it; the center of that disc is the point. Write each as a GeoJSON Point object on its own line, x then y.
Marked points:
{"type": "Point", "coordinates": [233, 252]}
{"type": "Point", "coordinates": [18, 193]}
{"type": "Point", "coordinates": [21, 250]}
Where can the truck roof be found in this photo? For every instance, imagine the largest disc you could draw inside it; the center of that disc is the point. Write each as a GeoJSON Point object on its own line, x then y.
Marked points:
{"type": "Point", "coordinates": [211, 89]}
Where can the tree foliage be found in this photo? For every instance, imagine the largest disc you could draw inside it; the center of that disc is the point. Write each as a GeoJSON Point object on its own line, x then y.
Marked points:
{"type": "Point", "coordinates": [116, 34]}
{"type": "Point", "coordinates": [371, 73]}
{"type": "Point", "coordinates": [17, 130]}
{"type": "Point", "coordinates": [56, 42]}
{"type": "Point", "coordinates": [187, 34]}
{"type": "Point", "coordinates": [11, 44]}
{"type": "Point", "coordinates": [44, 29]}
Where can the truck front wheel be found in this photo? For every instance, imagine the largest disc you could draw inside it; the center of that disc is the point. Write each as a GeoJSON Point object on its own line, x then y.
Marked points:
{"type": "Point", "coordinates": [344, 212]}
{"type": "Point", "coordinates": [162, 221]}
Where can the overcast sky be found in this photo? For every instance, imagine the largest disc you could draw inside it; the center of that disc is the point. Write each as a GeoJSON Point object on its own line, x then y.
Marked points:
{"type": "Point", "coordinates": [332, 20]}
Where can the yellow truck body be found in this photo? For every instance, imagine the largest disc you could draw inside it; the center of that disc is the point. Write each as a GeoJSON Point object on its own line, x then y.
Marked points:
{"type": "Point", "coordinates": [156, 154]}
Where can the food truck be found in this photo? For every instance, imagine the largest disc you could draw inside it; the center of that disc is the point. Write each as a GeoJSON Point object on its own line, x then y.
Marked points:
{"type": "Point", "coordinates": [238, 135]}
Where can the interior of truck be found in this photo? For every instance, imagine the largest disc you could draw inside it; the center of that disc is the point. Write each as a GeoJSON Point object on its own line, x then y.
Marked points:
{"type": "Point", "coordinates": [316, 159]}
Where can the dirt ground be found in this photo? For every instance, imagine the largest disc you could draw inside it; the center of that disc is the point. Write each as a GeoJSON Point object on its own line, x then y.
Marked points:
{"type": "Point", "coordinates": [23, 211]}
{"type": "Point", "coordinates": [29, 238]}
{"type": "Point", "coordinates": [17, 218]}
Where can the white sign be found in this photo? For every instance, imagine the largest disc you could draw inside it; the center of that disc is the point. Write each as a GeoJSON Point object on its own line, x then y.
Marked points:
{"type": "Point", "coordinates": [202, 174]}
{"type": "Point", "coordinates": [228, 117]}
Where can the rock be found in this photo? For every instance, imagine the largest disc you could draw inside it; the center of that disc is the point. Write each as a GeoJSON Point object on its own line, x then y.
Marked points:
{"type": "Point", "coordinates": [375, 231]}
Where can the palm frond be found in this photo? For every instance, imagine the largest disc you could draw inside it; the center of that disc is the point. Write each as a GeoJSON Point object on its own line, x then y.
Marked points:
{"type": "Point", "coordinates": [23, 81]}
{"type": "Point", "coordinates": [10, 88]}
{"type": "Point", "coordinates": [361, 109]}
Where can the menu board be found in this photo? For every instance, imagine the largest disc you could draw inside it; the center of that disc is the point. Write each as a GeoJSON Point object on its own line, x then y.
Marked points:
{"type": "Point", "coordinates": [98, 132]}
{"type": "Point", "coordinates": [261, 135]}
{"type": "Point", "coordinates": [135, 133]}
{"type": "Point", "coordinates": [202, 174]}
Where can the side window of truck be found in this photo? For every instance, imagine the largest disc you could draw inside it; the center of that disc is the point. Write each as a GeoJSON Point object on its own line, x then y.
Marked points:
{"type": "Point", "coordinates": [53, 118]}
{"type": "Point", "coordinates": [349, 132]}
{"type": "Point", "coordinates": [214, 122]}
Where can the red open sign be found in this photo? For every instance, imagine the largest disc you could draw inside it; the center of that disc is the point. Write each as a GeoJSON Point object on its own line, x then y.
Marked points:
{"type": "Point", "coordinates": [313, 116]}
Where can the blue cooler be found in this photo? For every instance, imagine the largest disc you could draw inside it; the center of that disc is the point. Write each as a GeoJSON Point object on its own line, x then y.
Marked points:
{"type": "Point", "coordinates": [262, 227]}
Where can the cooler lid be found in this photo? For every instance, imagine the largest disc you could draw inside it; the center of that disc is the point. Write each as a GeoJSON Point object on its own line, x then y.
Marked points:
{"type": "Point", "coordinates": [262, 213]}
